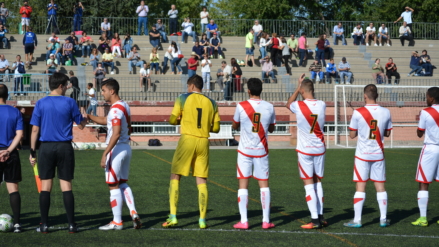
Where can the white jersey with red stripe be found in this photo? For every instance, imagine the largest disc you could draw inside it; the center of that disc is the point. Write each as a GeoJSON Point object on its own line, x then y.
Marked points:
{"type": "Point", "coordinates": [119, 115]}
{"type": "Point", "coordinates": [310, 115]}
{"type": "Point", "coordinates": [254, 116]}
{"type": "Point", "coordinates": [429, 122]}
{"type": "Point", "coordinates": [371, 122]}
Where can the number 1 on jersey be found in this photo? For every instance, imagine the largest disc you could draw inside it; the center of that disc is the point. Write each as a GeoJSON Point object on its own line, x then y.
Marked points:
{"type": "Point", "coordinates": [200, 112]}
{"type": "Point", "coordinates": [373, 128]}
{"type": "Point", "coordinates": [314, 122]}
{"type": "Point", "coordinates": [256, 122]}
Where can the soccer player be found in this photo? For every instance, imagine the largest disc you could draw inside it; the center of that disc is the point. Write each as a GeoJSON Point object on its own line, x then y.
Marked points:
{"type": "Point", "coordinates": [256, 118]}
{"type": "Point", "coordinates": [371, 124]}
{"type": "Point", "coordinates": [52, 121]}
{"type": "Point", "coordinates": [310, 114]}
{"type": "Point", "coordinates": [198, 115]}
{"type": "Point", "coordinates": [429, 160]}
{"type": "Point", "coordinates": [117, 156]}
{"type": "Point", "coordinates": [11, 131]}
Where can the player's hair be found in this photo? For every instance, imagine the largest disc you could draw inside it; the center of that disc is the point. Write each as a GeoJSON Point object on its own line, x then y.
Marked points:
{"type": "Point", "coordinates": [255, 86]}
{"type": "Point", "coordinates": [90, 84]}
{"type": "Point", "coordinates": [371, 91]}
{"type": "Point", "coordinates": [308, 85]}
{"type": "Point", "coordinates": [432, 92]}
{"type": "Point", "coordinates": [196, 80]}
{"type": "Point", "coordinates": [57, 79]}
{"type": "Point", "coordinates": [3, 92]}
{"type": "Point", "coordinates": [111, 84]}
{"type": "Point", "coordinates": [71, 72]}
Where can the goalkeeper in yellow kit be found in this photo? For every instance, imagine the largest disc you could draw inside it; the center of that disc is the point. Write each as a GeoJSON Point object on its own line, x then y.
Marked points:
{"type": "Point", "coordinates": [198, 115]}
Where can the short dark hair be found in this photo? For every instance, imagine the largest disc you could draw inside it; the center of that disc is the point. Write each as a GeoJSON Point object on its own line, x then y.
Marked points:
{"type": "Point", "coordinates": [197, 81]}
{"type": "Point", "coordinates": [111, 84]}
{"type": "Point", "coordinates": [255, 86]}
{"type": "Point", "coordinates": [71, 72]}
{"type": "Point", "coordinates": [57, 79]}
{"type": "Point", "coordinates": [371, 91]}
{"type": "Point", "coordinates": [432, 92]}
{"type": "Point", "coordinates": [90, 84]}
{"type": "Point", "coordinates": [308, 85]}
{"type": "Point", "coordinates": [3, 92]}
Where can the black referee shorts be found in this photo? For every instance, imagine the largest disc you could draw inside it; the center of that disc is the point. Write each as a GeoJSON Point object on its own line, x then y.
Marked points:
{"type": "Point", "coordinates": [10, 170]}
{"type": "Point", "coordinates": [54, 155]}
{"type": "Point", "coordinates": [29, 48]}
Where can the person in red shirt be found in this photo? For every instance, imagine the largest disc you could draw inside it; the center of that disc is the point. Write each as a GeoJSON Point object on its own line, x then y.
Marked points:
{"type": "Point", "coordinates": [192, 64]}
{"type": "Point", "coordinates": [391, 70]}
{"type": "Point", "coordinates": [25, 12]}
{"type": "Point", "coordinates": [275, 50]}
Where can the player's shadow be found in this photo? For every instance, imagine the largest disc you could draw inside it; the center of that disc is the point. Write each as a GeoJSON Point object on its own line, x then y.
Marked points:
{"type": "Point", "coordinates": [86, 220]}
{"type": "Point", "coordinates": [287, 217]}
{"type": "Point", "coordinates": [160, 217]}
{"type": "Point", "coordinates": [32, 219]}
{"type": "Point", "coordinates": [349, 215]}
{"type": "Point", "coordinates": [231, 219]}
{"type": "Point", "coordinates": [396, 216]}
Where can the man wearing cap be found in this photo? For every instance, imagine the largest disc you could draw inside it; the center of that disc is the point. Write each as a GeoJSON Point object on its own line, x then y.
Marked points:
{"type": "Point", "coordinates": [107, 60]}
{"type": "Point", "coordinates": [52, 48]}
{"type": "Point", "coordinates": [344, 68]}
{"type": "Point", "coordinates": [51, 64]}
{"type": "Point", "coordinates": [67, 51]}
{"type": "Point", "coordinates": [215, 45]}
{"type": "Point", "coordinates": [192, 64]}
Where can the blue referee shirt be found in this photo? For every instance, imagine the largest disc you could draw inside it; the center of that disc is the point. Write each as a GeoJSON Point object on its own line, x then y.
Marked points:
{"type": "Point", "coordinates": [30, 38]}
{"type": "Point", "coordinates": [55, 116]}
{"type": "Point", "coordinates": [10, 121]}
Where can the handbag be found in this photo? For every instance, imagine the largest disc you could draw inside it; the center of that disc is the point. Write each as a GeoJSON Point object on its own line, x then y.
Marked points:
{"type": "Point", "coordinates": [180, 56]}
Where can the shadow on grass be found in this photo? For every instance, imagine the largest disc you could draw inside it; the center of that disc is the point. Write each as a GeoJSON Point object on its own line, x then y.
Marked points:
{"type": "Point", "coordinates": [160, 217]}
{"type": "Point", "coordinates": [398, 215]}
{"type": "Point", "coordinates": [349, 215]}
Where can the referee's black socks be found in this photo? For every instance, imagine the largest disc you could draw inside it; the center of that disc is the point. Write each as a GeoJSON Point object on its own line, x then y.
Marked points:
{"type": "Point", "coordinates": [69, 204]}
{"type": "Point", "coordinates": [15, 201]}
{"type": "Point", "coordinates": [44, 206]}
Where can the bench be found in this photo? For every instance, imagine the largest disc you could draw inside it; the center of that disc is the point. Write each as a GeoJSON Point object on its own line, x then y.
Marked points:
{"type": "Point", "coordinates": [225, 133]}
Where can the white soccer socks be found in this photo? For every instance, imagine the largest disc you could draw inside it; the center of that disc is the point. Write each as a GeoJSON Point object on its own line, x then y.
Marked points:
{"type": "Point", "coordinates": [116, 203]}
{"type": "Point", "coordinates": [311, 200]}
{"type": "Point", "coordinates": [266, 203]}
{"type": "Point", "coordinates": [382, 202]}
{"type": "Point", "coordinates": [422, 202]}
{"type": "Point", "coordinates": [242, 204]}
{"type": "Point", "coordinates": [127, 196]}
{"type": "Point", "coordinates": [319, 192]}
{"type": "Point", "coordinates": [359, 199]}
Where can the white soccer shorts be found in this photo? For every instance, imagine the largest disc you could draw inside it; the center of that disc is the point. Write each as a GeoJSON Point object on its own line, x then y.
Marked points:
{"type": "Point", "coordinates": [428, 165]}
{"type": "Point", "coordinates": [118, 164]}
{"type": "Point", "coordinates": [259, 166]}
{"type": "Point", "coordinates": [310, 166]}
{"type": "Point", "coordinates": [376, 169]}
{"type": "Point", "coordinates": [25, 21]}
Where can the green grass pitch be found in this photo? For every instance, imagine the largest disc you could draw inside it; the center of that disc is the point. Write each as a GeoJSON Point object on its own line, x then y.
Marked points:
{"type": "Point", "coordinates": [149, 179]}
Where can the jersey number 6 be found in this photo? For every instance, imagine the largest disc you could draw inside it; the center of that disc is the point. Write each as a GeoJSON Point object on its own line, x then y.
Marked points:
{"type": "Point", "coordinates": [373, 128]}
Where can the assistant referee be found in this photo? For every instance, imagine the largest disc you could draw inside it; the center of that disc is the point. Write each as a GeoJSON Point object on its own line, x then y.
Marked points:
{"type": "Point", "coordinates": [11, 131]}
{"type": "Point", "coordinates": [53, 118]}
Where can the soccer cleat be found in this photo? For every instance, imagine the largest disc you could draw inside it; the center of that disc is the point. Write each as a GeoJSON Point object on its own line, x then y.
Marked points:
{"type": "Point", "coordinates": [202, 223]}
{"type": "Point", "coordinates": [136, 221]}
{"type": "Point", "coordinates": [267, 225]}
{"type": "Point", "coordinates": [384, 222]}
{"type": "Point", "coordinates": [73, 228]}
{"type": "Point", "coordinates": [17, 228]}
{"type": "Point", "coordinates": [312, 225]}
{"type": "Point", "coordinates": [43, 228]}
{"type": "Point", "coordinates": [353, 224]}
{"type": "Point", "coordinates": [240, 225]}
{"type": "Point", "coordinates": [171, 221]}
{"type": "Point", "coordinates": [422, 221]}
{"type": "Point", "coordinates": [323, 221]}
{"type": "Point", "coordinates": [112, 226]}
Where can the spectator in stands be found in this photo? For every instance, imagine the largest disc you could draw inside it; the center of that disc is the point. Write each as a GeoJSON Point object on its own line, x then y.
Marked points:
{"type": "Point", "coordinates": [3, 38]}
{"type": "Point", "coordinates": [236, 76]}
{"type": "Point", "coordinates": [116, 43]}
{"type": "Point", "coordinates": [405, 33]}
{"type": "Point", "coordinates": [263, 41]}
{"type": "Point", "coordinates": [145, 75]}
{"type": "Point", "coordinates": [78, 11]}
{"type": "Point", "coordinates": [26, 12]}
{"type": "Point", "coordinates": [344, 68]}
{"type": "Point", "coordinates": [18, 69]}
{"type": "Point", "coordinates": [154, 60]}
{"type": "Point", "coordinates": [92, 107]}
{"type": "Point", "coordinates": [215, 45]}
{"type": "Point", "coordinates": [52, 64]}
{"type": "Point", "coordinates": [107, 60]}
{"type": "Point", "coordinates": [285, 54]}
{"type": "Point", "coordinates": [371, 33]}
{"type": "Point", "coordinates": [267, 69]}
{"type": "Point", "coordinates": [357, 34]}
{"type": "Point", "coordinates": [275, 52]}
{"type": "Point", "coordinates": [106, 28]}
{"type": "Point", "coordinates": [198, 49]}
{"type": "Point", "coordinates": [56, 38]}
{"type": "Point", "coordinates": [162, 30]}
{"type": "Point", "coordinates": [383, 34]}
{"type": "Point", "coordinates": [206, 64]}
{"type": "Point", "coordinates": [391, 70]}
{"type": "Point", "coordinates": [74, 84]}
{"type": "Point", "coordinates": [53, 48]}
{"type": "Point", "coordinates": [205, 42]}
{"type": "Point", "coordinates": [4, 68]}
{"type": "Point", "coordinates": [426, 63]}
{"type": "Point", "coordinates": [86, 42]}
{"type": "Point", "coordinates": [67, 51]}
{"type": "Point", "coordinates": [227, 80]}
{"type": "Point", "coordinates": [52, 8]}
{"type": "Point", "coordinates": [204, 15]}
{"type": "Point", "coordinates": [127, 43]}
{"type": "Point", "coordinates": [99, 73]}
{"type": "Point", "coordinates": [293, 44]}
{"type": "Point", "coordinates": [331, 71]}
{"type": "Point", "coordinates": [338, 33]}
{"type": "Point", "coordinates": [30, 43]}
{"type": "Point", "coordinates": [104, 43]}
{"type": "Point", "coordinates": [142, 13]}
{"type": "Point", "coordinates": [188, 30]}
{"type": "Point", "coordinates": [4, 13]}
{"type": "Point", "coordinates": [220, 75]}
{"type": "Point", "coordinates": [154, 37]}
{"type": "Point", "coordinates": [302, 48]}
{"type": "Point", "coordinates": [316, 69]}
{"type": "Point", "coordinates": [94, 58]}
{"type": "Point", "coordinates": [378, 71]}
{"type": "Point", "coordinates": [176, 58]}
{"type": "Point", "coordinates": [257, 29]}
{"type": "Point", "coordinates": [320, 56]}
{"type": "Point", "coordinates": [192, 64]}
{"type": "Point", "coordinates": [133, 60]}
{"type": "Point", "coordinates": [328, 47]}
{"type": "Point", "coordinates": [249, 48]}
{"type": "Point", "coordinates": [173, 20]}
{"type": "Point", "coordinates": [74, 41]}
{"type": "Point", "coordinates": [167, 57]}
{"type": "Point", "coordinates": [212, 28]}
{"type": "Point", "coordinates": [415, 62]}
{"type": "Point", "coordinates": [407, 17]}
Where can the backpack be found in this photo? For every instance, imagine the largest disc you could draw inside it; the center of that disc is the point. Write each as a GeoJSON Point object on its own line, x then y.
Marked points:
{"type": "Point", "coordinates": [154, 142]}
{"type": "Point", "coordinates": [21, 69]}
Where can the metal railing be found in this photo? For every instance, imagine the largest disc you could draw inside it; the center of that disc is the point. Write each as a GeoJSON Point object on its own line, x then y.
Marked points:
{"type": "Point", "coordinates": [28, 86]}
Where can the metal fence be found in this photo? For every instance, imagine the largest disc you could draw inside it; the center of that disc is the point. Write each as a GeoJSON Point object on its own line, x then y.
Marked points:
{"type": "Point", "coordinates": [228, 27]}
{"type": "Point", "coordinates": [26, 86]}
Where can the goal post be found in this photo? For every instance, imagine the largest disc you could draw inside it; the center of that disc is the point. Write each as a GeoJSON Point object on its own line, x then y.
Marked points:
{"type": "Point", "coordinates": [404, 103]}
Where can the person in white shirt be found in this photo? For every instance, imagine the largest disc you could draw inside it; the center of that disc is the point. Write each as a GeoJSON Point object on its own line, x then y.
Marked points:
{"type": "Point", "coordinates": [188, 30]}
{"type": "Point", "coordinates": [255, 118]}
{"type": "Point", "coordinates": [173, 20]}
{"type": "Point", "coordinates": [371, 124]}
{"type": "Point", "coordinates": [357, 34]}
{"type": "Point", "coordinates": [4, 67]}
{"type": "Point", "coordinates": [204, 15]}
{"type": "Point", "coordinates": [407, 17]}
{"type": "Point", "coordinates": [371, 33]}
{"type": "Point", "coordinates": [145, 75]}
{"type": "Point", "coordinates": [106, 28]}
{"type": "Point", "coordinates": [142, 13]}
{"type": "Point", "coordinates": [92, 107]}
{"type": "Point", "coordinates": [383, 33]}
{"type": "Point", "coordinates": [18, 79]}
{"type": "Point", "coordinates": [205, 71]}
{"type": "Point", "coordinates": [257, 28]}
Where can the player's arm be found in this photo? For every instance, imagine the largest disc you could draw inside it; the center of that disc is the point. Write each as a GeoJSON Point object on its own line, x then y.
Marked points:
{"type": "Point", "coordinates": [215, 128]}
{"type": "Point", "coordinates": [387, 133]}
{"type": "Point", "coordinates": [98, 120]}
{"type": "Point", "coordinates": [271, 128]}
{"type": "Point", "coordinates": [33, 144]}
{"type": "Point", "coordinates": [5, 154]}
{"type": "Point", "coordinates": [235, 125]}
{"type": "Point", "coordinates": [296, 93]}
{"type": "Point", "coordinates": [353, 134]}
{"type": "Point", "coordinates": [175, 117]}
{"type": "Point", "coordinates": [174, 120]}
{"type": "Point", "coordinates": [420, 133]}
{"type": "Point", "coordinates": [113, 141]}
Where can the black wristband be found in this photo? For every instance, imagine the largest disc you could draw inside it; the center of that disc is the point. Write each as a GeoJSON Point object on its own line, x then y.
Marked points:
{"type": "Point", "coordinates": [33, 153]}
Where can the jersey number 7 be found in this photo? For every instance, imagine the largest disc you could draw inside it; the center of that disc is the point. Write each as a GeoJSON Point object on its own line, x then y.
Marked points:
{"type": "Point", "coordinates": [314, 122]}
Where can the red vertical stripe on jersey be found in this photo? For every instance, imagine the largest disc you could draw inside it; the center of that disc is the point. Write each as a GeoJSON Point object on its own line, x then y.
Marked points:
{"type": "Point", "coordinates": [127, 117]}
{"type": "Point", "coordinates": [368, 117]}
{"type": "Point", "coordinates": [307, 114]}
{"type": "Point", "coordinates": [434, 114]}
{"type": "Point", "coordinates": [250, 111]}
